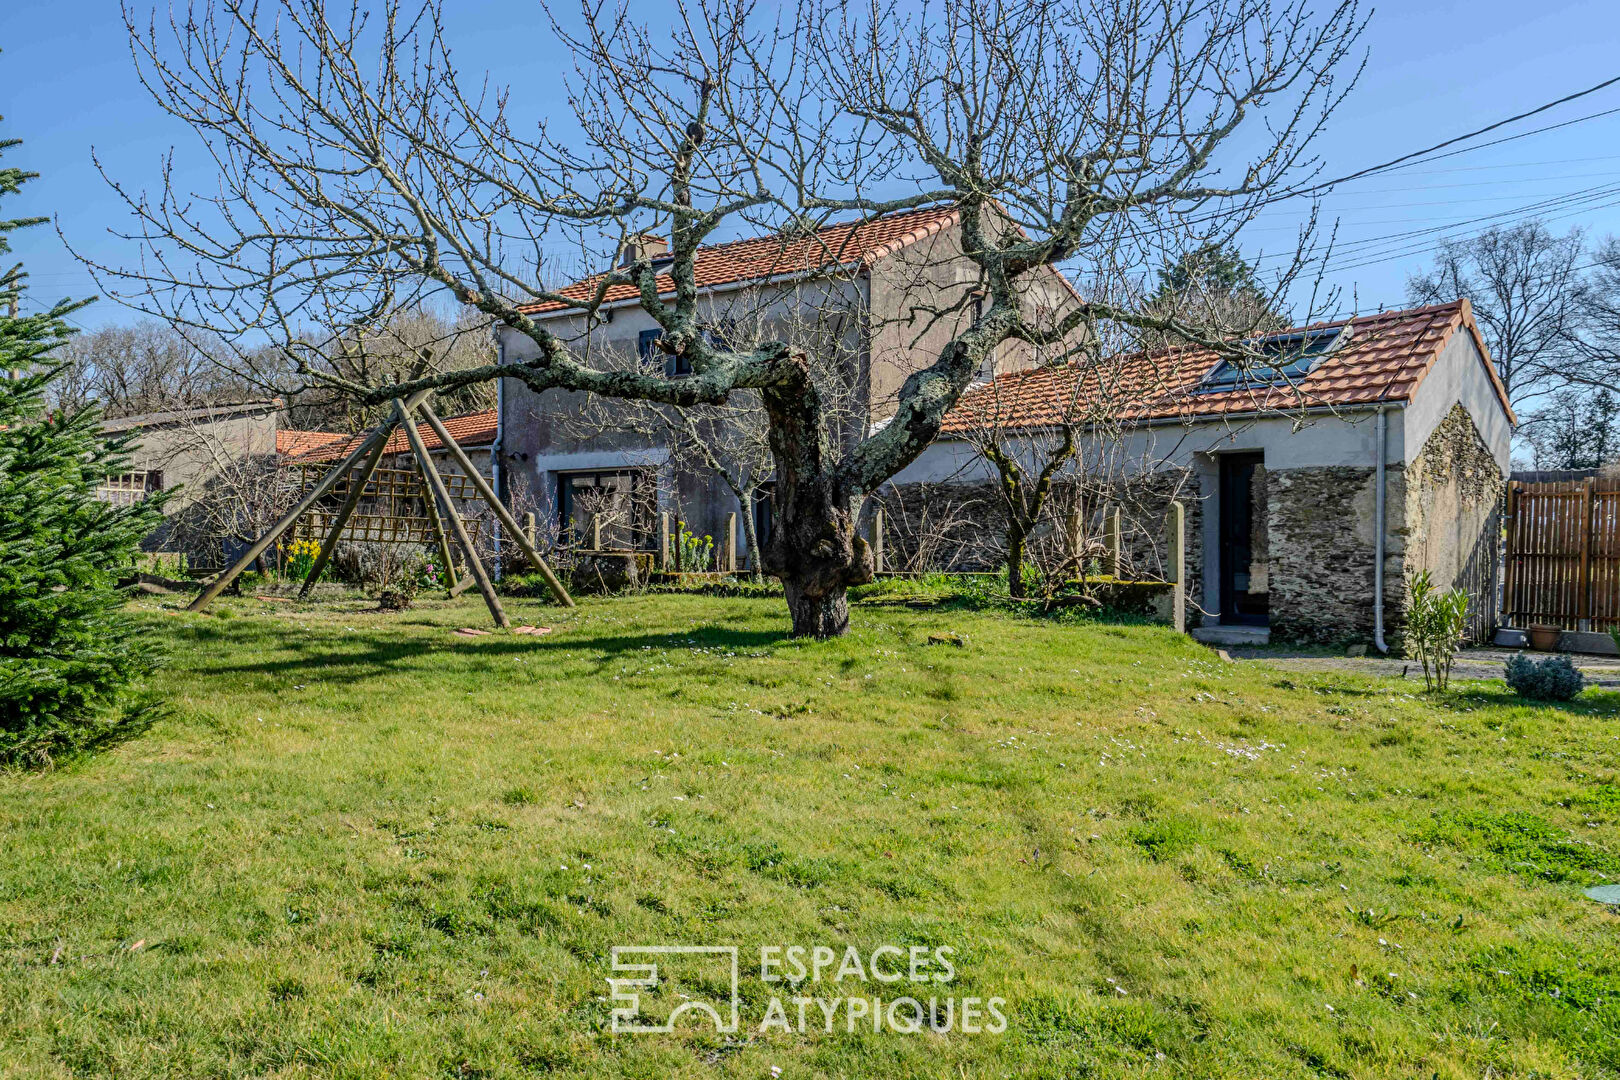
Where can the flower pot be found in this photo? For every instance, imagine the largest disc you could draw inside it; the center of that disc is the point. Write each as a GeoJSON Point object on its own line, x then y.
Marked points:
{"type": "Point", "coordinates": [1545, 637]}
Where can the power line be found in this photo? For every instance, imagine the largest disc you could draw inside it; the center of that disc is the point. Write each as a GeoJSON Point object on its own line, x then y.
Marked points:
{"type": "Point", "coordinates": [1392, 163]}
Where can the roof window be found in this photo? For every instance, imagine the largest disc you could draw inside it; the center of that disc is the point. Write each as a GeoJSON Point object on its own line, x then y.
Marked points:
{"type": "Point", "coordinates": [1283, 358]}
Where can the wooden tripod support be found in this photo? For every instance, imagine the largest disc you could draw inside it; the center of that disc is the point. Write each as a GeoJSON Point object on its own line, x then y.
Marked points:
{"type": "Point", "coordinates": [440, 506]}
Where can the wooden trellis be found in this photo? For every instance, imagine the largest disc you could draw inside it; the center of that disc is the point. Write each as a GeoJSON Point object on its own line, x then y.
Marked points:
{"type": "Point", "coordinates": [392, 508]}
{"type": "Point", "coordinates": [358, 477]}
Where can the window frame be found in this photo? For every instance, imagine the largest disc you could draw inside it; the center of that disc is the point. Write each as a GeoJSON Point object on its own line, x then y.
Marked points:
{"type": "Point", "coordinates": [566, 535]}
{"type": "Point", "coordinates": [1225, 376]}
{"type": "Point", "coordinates": [675, 367]}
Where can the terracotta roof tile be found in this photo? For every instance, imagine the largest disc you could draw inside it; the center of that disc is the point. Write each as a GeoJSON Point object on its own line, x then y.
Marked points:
{"type": "Point", "coordinates": [470, 429]}
{"type": "Point", "coordinates": [1385, 359]}
{"type": "Point", "coordinates": [291, 443]}
{"type": "Point", "coordinates": [844, 244]}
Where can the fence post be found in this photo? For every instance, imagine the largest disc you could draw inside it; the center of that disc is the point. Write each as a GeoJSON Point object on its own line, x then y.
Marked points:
{"type": "Point", "coordinates": [1111, 533]}
{"type": "Point", "coordinates": [678, 545]}
{"type": "Point", "coordinates": [731, 544]}
{"type": "Point", "coordinates": [1176, 549]}
{"type": "Point", "coordinates": [1507, 612]}
{"type": "Point", "coordinates": [596, 532]}
{"type": "Point", "coordinates": [1584, 613]}
{"type": "Point", "coordinates": [529, 528]}
{"type": "Point", "coordinates": [877, 540]}
{"type": "Point", "coordinates": [663, 540]}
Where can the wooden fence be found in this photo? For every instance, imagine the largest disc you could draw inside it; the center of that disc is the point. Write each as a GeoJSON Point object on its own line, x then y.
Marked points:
{"type": "Point", "coordinates": [1562, 565]}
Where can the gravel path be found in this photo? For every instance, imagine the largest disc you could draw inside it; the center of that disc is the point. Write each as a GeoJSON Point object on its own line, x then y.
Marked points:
{"type": "Point", "coordinates": [1480, 663]}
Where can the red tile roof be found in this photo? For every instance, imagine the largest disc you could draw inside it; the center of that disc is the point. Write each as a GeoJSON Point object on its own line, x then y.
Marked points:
{"type": "Point", "coordinates": [858, 243]}
{"type": "Point", "coordinates": [1385, 359]}
{"type": "Point", "coordinates": [295, 443]}
{"type": "Point", "coordinates": [470, 429]}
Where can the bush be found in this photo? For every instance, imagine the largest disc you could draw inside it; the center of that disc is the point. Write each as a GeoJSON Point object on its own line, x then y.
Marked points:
{"type": "Point", "coordinates": [1435, 624]}
{"type": "Point", "coordinates": [1552, 679]}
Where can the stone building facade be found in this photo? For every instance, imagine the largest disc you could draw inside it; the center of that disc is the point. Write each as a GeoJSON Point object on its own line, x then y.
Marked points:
{"type": "Point", "coordinates": [1281, 480]}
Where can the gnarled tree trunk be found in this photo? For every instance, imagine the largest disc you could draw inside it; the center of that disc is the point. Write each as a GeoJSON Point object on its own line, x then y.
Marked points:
{"type": "Point", "coordinates": [815, 549]}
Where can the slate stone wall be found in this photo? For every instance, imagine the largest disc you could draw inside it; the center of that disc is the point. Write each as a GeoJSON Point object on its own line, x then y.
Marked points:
{"type": "Point", "coordinates": [957, 526]}
{"type": "Point", "coordinates": [1323, 552]}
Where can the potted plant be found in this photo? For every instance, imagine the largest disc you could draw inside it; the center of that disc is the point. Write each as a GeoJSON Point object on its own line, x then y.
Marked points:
{"type": "Point", "coordinates": [1544, 636]}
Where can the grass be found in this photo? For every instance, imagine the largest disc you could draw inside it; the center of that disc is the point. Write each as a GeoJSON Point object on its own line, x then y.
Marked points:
{"type": "Point", "coordinates": [362, 846]}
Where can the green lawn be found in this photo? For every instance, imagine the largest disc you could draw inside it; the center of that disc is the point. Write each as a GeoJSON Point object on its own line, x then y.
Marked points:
{"type": "Point", "coordinates": [361, 846]}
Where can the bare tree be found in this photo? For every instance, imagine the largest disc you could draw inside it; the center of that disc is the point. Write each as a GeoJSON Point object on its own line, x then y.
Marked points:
{"type": "Point", "coordinates": [1526, 288]}
{"type": "Point", "coordinates": [360, 175]}
{"type": "Point", "coordinates": [389, 350]}
{"type": "Point", "coordinates": [1592, 367]}
{"type": "Point", "coordinates": [143, 368]}
{"type": "Point", "coordinates": [731, 441]}
{"type": "Point", "coordinates": [240, 491]}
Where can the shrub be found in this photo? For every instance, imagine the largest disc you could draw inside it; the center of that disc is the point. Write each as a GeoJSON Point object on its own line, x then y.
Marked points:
{"type": "Point", "coordinates": [1552, 679]}
{"type": "Point", "coordinates": [1435, 623]}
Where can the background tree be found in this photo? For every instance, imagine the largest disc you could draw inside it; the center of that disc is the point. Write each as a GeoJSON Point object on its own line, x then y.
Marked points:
{"type": "Point", "coordinates": [145, 367]}
{"type": "Point", "coordinates": [1593, 363]}
{"type": "Point", "coordinates": [359, 176]}
{"type": "Point", "coordinates": [1526, 288]}
{"type": "Point", "coordinates": [1577, 428]}
{"type": "Point", "coordinates": [390, 350]}
{"type": "Point", "coordinates": [1215, 286]}
{"type": "Point", "coordinates": [68, 659]}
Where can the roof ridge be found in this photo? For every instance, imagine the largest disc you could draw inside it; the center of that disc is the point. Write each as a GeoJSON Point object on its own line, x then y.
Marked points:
{"type": "Point", "coordinates": [761, 257]}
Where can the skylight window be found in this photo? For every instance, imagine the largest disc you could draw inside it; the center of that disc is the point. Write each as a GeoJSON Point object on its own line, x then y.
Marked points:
{"type": "Point", "coordinates": [1283, 359]}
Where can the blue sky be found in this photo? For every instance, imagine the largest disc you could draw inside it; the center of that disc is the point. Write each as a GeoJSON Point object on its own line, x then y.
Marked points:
{"type": "Point", "coordinates": [1436, 69]}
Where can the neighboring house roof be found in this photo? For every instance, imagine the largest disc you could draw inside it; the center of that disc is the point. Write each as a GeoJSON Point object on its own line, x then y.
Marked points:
{"type": "Point", "coordinates": [849, 244]}
{"type": "Point", "coordinates": [469, 429]}
{"type": "Point", "coordinates": [1385, 359]}
{"type": "Point", "coordinates": [291, 443]}
{"type": "Point", "coordinates": [226, 411]}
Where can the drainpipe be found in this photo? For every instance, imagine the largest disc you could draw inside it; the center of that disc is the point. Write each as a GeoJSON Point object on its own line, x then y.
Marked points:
{"type": "Point", "coordinates": [1380, 442]}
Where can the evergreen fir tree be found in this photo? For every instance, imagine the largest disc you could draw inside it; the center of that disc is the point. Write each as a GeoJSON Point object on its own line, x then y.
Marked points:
{"type": "Point", "coordinates": [70, 663]}
{"type": "Point", "coordinates": [1214, 286]}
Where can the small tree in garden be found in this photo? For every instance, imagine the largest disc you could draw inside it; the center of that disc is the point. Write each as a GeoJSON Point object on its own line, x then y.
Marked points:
{"type": "Point", "coordinates": [1436, 620]}
{"type": "Point", "coordinates": [68, 660]}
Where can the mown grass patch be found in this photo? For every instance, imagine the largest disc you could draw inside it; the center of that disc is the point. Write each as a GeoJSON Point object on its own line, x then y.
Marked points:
{"type": "Point", "coordinates": [362, 846]}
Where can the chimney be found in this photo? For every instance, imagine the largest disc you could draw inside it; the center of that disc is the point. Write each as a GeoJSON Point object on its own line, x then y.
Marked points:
{"type": "Point", "coordinates": [642, 245]}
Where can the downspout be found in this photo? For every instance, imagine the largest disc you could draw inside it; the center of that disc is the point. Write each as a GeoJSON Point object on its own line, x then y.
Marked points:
{"type": "Point", "coordinates": [495, 447]}
{"type": "Point", "coordinates": [1380, 441]}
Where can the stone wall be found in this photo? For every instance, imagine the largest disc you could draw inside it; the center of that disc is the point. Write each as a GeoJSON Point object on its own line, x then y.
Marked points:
{"type": "Point", "coordinates": [1144, 517]}
{"type": "Point", "coordinates": [1322, 547]}
{"type": "Point", "coordinates": [961, 527]}
{"type": "Point", "coordinates": [1452, 519]}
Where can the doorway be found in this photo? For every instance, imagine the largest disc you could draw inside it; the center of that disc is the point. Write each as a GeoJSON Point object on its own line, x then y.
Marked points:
{"type": "Point", "coordinates": [1245, 563]}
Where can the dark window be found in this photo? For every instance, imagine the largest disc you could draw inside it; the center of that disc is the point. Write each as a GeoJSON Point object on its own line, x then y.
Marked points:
{"type": "Point", "coordinates": [673, 365]}
{"type": "Point", "coordinates": [723, 335]}
{"type": "Point", "coordinates": [612, 497]}
{"type": "Point", "coordinates": [1284, 358]}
